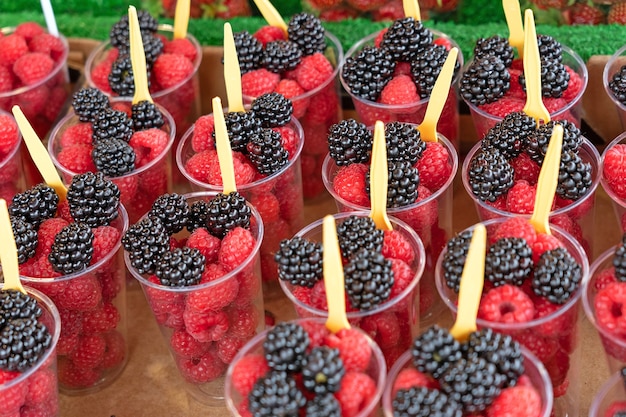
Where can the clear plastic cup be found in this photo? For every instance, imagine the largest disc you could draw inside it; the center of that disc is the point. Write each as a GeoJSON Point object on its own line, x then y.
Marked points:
{"type": "Point", "coordinates": [431, 218]}
{"type": "Point", "coordinates": [11, 167]}
{"type": "Point", "coordinates": [554, 338]}
{"type": "Point", "coordinates": [92, 349]}
{"type": "Point", "coordinates": [576, 218]}
{"type": "Point", "coordinates": [618, 203]}
{"type": "Point", "coordinates": [399, 314]}
{"type": "Point", "coordinates": [139, 188]}
{"type": "Point", "coordinates": [370, 111]}
{"type": "Point", "coordinates": [610, 398]}
{"type": "Point", "coordinates": [376, 370]}
{"type": "Point", "coordinates": [613, 66]}
{"type": "Point", "coordinates": [203, 343]}
{"type": "Point", "coordinates": [35, 391]}
{"type": "Point", "coordinates": [533, 369]}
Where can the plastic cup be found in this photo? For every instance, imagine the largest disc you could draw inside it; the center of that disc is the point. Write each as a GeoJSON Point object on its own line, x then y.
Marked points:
{"type": "Point", "coordinates": [576, 218]}
{"type": "Point", "coordinates": [553, 338]}
{"type": "Point", "coordinates": [370, 111]}
{"type": "Point", "coordinates": [610, 398]}
{"type": "Point", "coordinates": [277, 197]}
{"type": "Point", "coordinates": [92, 307]}
{"type": "Point", "coordinates": [317, 110]}
{"type": "Point", "coordinates": [211, 337]}
{"type": "Point", "coordinates": [572, 111]}
{"type": "Point", "coordinates": [376, 370]}
{"type": "Point", "coordinates": [11, 167]}
{"type": "Point", "coordinates": [613, 66]}
{"type": "Point", "coordinates": [139, 188]}
{"type": "Point", "coordinates": [618, 203]}
{"type": "Point", "coordinates": [533, 369]}
{"type": "Point", "coordinates": [20, 396]}
{"type": "Point", "coordinates": [431, 218]}
{"type": "Point", "coordinates": [399, 314]}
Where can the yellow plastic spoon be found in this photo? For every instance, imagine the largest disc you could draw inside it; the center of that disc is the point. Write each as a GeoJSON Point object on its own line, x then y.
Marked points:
{"type": "Point", "coordinates": [471, 285]}
{"type": "Point", "coordinates": [532, 72]}
{"type": "Point", "coordinates": [232, 72]}
{"type": "Point", "coordinates": [412, 9]}
{"type": "Point", "coordinates": [270, 14]}
{"type": "Point", "coordinates": [8, 252]}
{"type": "Point", "coordinates": [39, 154]}
{"type": "Point", "coordinates": [138, 58]}
{"type": "Point", "coordinates": [547, 182]}
{"type": "Point", "coordinates": [379, 177]}
{"type": "Point", "coordinates": [438, 97]}
{"type": "Point", "coordinates": [222, 143]}
{"type": "Point", "coordinates": [513, 15]}
{"type": "Point", "coordinates": [333, 277]}
{"type": "Point", "coordinates": [181, 18]}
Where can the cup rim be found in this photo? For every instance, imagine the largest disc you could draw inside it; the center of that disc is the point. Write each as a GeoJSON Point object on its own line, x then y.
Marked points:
{"type": "Point", "coordinates": [605, 76]}
{"type": "Point", "coordinates": [601, 394]}
{"type": "Point", "coordinates": [605, 185]}
{"type": "Point", "coordinates": [13, 152]}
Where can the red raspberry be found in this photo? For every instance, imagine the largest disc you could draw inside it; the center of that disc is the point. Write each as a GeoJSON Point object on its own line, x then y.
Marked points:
{"type": "Point", "coordinates": [614, 169]}
{"type": "Point", "coordinates": [111, 283]}
{"type": "Point", "coordinates": [6, 79]}
{"type": "Point", "coordinates": [317, 297]}
{"type": "Point", "coordinates": [184, 345]}
{"type": "Point", "coordinates": [313, 71]}
{"type": "Point", "coordinates": [423, 216]}
{"type": "Point", "coordinates": [247, 371]}
{"type": "Point", "coordinates": [322, 108]}
{"type": "Point", "coordinates": [521, 198]}
{"type": "Point", "coordinates": [203, 369]}
{"type": "Point", "coordinates": [42, 386]}
{"type": "Point", "coordinates": [289, 139]}
{"type": "Point", "coordinates": [206, 243]}
{"type": "Point", "coordinates": [46, 234]}
{"type": "Point", "coordinates": [77, 158]}
{"type": "Point", "coordinates": [29, 30]}
{"type": "Point", "coordinates": [148, 144]}
{"type": "Point", "coordinates": [349, 184]}
{"type": "Point", "coordinates": [244, 321]}
{"type": "Point", "coordinates": [610, 308]}
{"type": "Point", "coordinates": [558, 367]}
{"type": "Point", "coordinates": [78, 134]}
{"type": "Point", "coordinates": [503, 106]}
{"type": "Point", "coordinates": [291, 89]}
{"type": "Point", "coordinates": [506, 304]}
{"type": "Point", "coordinates": [604, 278]}
{"type": "Point", "coordinates": [9, 135]}
{"type": "Point", "coordinates": [237, 245]}
{"type": "Point", "coordinates": [115, 351]}
{"type": "Point", "coordinates": [89, 351]}
{"type": "Point", "coordinates": [12, 398]}
{"type": "Point", "coordinates": [73, 376]}
{"type": "Point", "coordinates": [615, 408]}
{"type": "Point", "coordinates": [411, 377]}
{"type": "Point", "coordinates": [516, 90]}
{"type": "Point", "coordinates": [379, 37]}
{"type": "Point", "coordinates": [244, 170]}
{"type": "Point", "coordinates": [553, 105]}
{"type": "Point", "coordinates": [396, 246]}
{"type": "Point", "coordinates": [215, 297]}
{"type": "Point", "coordinates": [258, 82]}
{"type": "Point", "coordinates": [228, 346]}
{"type": "Point", "coordinates": [33, 102]}
{"type": "Point", "coordinates": [561, 322]}
{"type": "Point", "coordinates": [383, 328]}
{"type": "Point", "coordinates": [433, 166]}
{"type": "Point", "coordinates": [516, 402]}
{"type": "Point", "coordinates": [515, 227]}
{"type": "Point", "coordinates": [100, 76]}
{"type": "Point", "coordinates": [542, 347]}
{"type": "Point", "coordinates": [83, 295]}
{"type": "Point", "coordinates": [202, 137]}
{"type": "Point", "coordinates": [399, 90]}
{"type": "Point", "coordinates": [268, 207]}
{"type": "Point", "coordinates": [12, 47]}
{"type": "Point", "coordinates": [543, 243]}
{"type": "Point", "coordinates": [524, 168]}
{"type": "Point", "coordinates": [355, 393]}
{"type": "Point", "coordinates": [101, 320]}
{"type": "Point", "coordinates": [403, 276]}
{"type": "Point", "coordinates": [402, 68]}
{"type": "Point", "coordinates": [33, 67]}
{"type": "Point", "coordinates": [199, 165]}
{"type": "Point", "coordinates": [49, 45]}
{"type": "Point", "coordinates": [182, 47]}
{"type": "Point", "coordinates": [206, 327]}
{"type": "Point", "coordinates": [574, 85]}
{"type": "Point", "coordinates": [170, 70]}
{"type": "Point", "coordinates": [105, 240]}
{"type": "Point", "coordinates": [354, 349]}
{"type": "Point", "coordinates": [267, 34]}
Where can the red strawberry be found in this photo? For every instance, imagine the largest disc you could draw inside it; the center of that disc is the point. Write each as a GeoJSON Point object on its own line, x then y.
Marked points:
{"type": "Point", "coordinates": [550, 4]}
{"type": "Point", "coordinates": [584, 14]}
{"type": "Point", "coordinates": [337, 14]}
{"type": "Point", "coordinates": [323, 4]}
{"type": "Point", "coordinates": [392, 10]}
{"type": "Point", "coordinates": [366, 5]}
{"type": "Point", "coordinates": [617, 14]}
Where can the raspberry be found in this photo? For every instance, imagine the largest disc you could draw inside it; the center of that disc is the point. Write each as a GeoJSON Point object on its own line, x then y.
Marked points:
{"type": "Point", "coordinates": [203, 369]}
{"type": "Point", "coordinates": [313, 71]}
{"type": "Point", "coordinates": [573, 86]}
{"type": "Point", "coordinates": [73, 376]}
{"type": "Point", "coordinates": [42, 386]}
{"type": "Point", "coordinates": [515, 227]}
{"type": "Point", "coordinates": [83, 295]}
{"type": "Point", "coordinates": [267, 206]}
{"type": "Point", "coordinates": [322, 108]}
{"type": "Point", "coordinates": [182, 47]}
{"type": "Point", "coordinates": [170, 70]}
{"type": "Point", "coordinates": [78, 134]}
{"type": "Point", "coordinates": [433, 166]}
{"type": "Point", "coordinates": [290, 140]}
{"type": "Point", "coordinates": [411, 377]}
{"type": "Point", "coordinates": [506, 304]}
{"type": "Point", "coordinates": [614, 169]}
{"type": "Point", "coordinates": [503, 106]}
{"type": "Point", "coordinates": [215, 297]}
{"type": "Point", "coordinates": [89, 351]}
{"type": "Point", "coordinates": [247, 371]}
{"type": "Point", "coordinates": [244, 171]}
{"type": "Point", "coordinates": [244, 321]}
{"type": "Point", "coordinates": [29, 30]}
{"type": "Point", "coordinates": [521, 198]}
{"type": "Point", "coordinates": [100, 76]}
{"type": "Point", "coordinates": [516, 402]}
{"type": "Point", "coordinates": [48, 44]}
{"type": "Point", "coordinates": [561, 323]}
{"type": "Point", "coordinates": [516, 90]}
{"type": "Point", "coordinates": [105, 240]}
{"type": "Point", "coordinates": [403, 275]}
{"type": "Point", "coordinates": [202, 136]}
{"type": "Point", "coordinates": [291, 89]}
{"type": "Point", "coordinates": [184, 345]}
{"type": "Point", "coordinates": [206, 327]}
{"type": "Point", "coordinates": [383, 328]}
{"type": "Point", "coordinates": [228, 346]}
{"type": "Point", "coordinates": [46, 234]}
{"type": "Point", "coordinates": [355, 392]}
{"type": "Point", "coordinates": [199, 165]}
{"type": "Point", "coordinates": [269, 34]}
{"type": "Point", "coordinates": [33, 67]}
{"type": "Point", "coordinates": [544, 242]}
{"type": "Point", "coordinates": [604, 278]}
{"type": "Point", "coordinates": [544, 348]}
{"type": "Point", "coordinates": [148, 144]}
{"type": "Point", "coordinates": [77, 158]}
{"type": "Point", "coordinates": [101, 320]}
{"type": "Point", "coordinates": [399, 90]}
{"type": "Point", "coordinates": [12, 47]}
{"type": "Point", "coordinates": [354, 349]}
{"type": "Point", "coordinates": [610, 308]}
{"type": "Point", "coordinates": [237, 245]}
{"type": "Point", "coordinates": [258, 82]}
{"type": "Point", "coordinates": [6, 79]}
{"type": "Point", "coordinates": [349, 184]}
{"type": "Point", "coordinates": [12, 398]}
{"type": "Point", "coordinates": [115, 350]}
{"type": "Point", "coordinates": [396, 246]}
{"type": "Point", "coordinates": [524, 168]}
{"type": "Point", "coordinates": [207, 244]}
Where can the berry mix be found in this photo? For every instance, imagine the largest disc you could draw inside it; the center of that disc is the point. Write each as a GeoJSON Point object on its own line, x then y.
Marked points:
{"type": "Point", "coordinates": [197, 264]}
{"type": "Point", "coordinates": [265, 145]}
{"type": "Point", "coordinates": [128, 143]}
{"type": "Point", "coordinates": [11, 171]}
{"type": "Point", "coordinates": [68, 251]}
{"type": "Point", "coordinates": [300, 66]}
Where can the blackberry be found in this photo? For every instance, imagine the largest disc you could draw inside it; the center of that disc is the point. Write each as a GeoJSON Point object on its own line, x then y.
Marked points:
{"type": "Point", "coordinates": [454, 259]}
{"type": "Point", "coordinates": [306, 31]}
{"type": "Point", "coordinates": [557, 276]}
{"type": "Point", "coordinates": [35, 205]}
{"type": "Point", "coordinates": [323, 406]}
{"type": "Point", "coordinates": [490, 174]}
{"type": "Point", "coordinates": [358, 232]}
{"type": "Point", "coordinates": [146, 115]}
{"type": "Point", "coordinates": [87, 102]}
{"type": "Point", "coordinates": [181, 267]}
{"type": "Point", "coordinates": [406, 38]}
{"type": "Point", "coordinates": [497, 46]}
{"type": "Point", "coordinates": [485, 81]}
{"type": "Point", "coordinates": [266, 151]}
{"type": "Point", "coordinates": [16, 305]}
{"type": "Point", "coordinates": [574, 176]}
{"type": "Point", "coordinates": [349, 142]}
{"type": "Point", "coordinates": [249, 51]}
{"type": "Point", "coordinates": [24, 342]}
{"type": "Point", "coordinates": [241, 126]}
{"type": "Point", "coordinates": [120, 32]}
{"type": "Point", "coordinates": [276, 394]}
{"type": "Point", "coordinates": [72, 249]}
{"type": "Point", "coordinates": [426, 68]}
{"type": "Point", "coordinates": [197, 216]}
{"type": "Point", "coordinates": [435, 350]}
{"type": "Point", "coordinates": [367, 73]}
{"type": "Point", "coordinates": [424, 402]}
{"type": "Point", "coordinates": [368, 279]}
{"type": "Point", "coordinates": [403, 142]}
{"type": "Point", "coordinates": [26, 239]}
{"type": "Point", "coordinates": [554, 79]}
{"type": "Point", "coordinates": [113, 157]}
{"type": "Point", "coordinates": [281, 56]}
{"type": "Point", "coordinates": [402, 183]}
{"type": "Point", "coordinates": [272, 109]}
{"type": "Point", "coordinates": [549, 49]}
{"type": "Point", "coordinates": [511, 135]}
{"type": "Point", "coordinates": [322, 370]}
{"type": "Point", "coordinates": [285, 347]}
{"type": "Point", "coordinates": [509, 261]}
{"type": "Point", "coordinates": [93, 199]}
{"type": "Point", "coordinates": [299, 261]}
{"type": "Point", "coordinates": [172, 210]}
{"type": "Point", "coordinates": [121, 78]}
{"type": "Point", "coordinates": [617, 85]}
{"type": "Point", "coordinates": [111, 124]}
{"type": "Point", "coordinates": [619, 260]}
{"type": "Point", "coordinates": [152, 48]}
{"type": "Point", "coordinates": [225, 212]}
{"type": "Point", "coordinates": [146, 242]}
{"type": "Point", "coordinates": [501, 350]}
{"type": "Point", "coordinates": [539, 141]}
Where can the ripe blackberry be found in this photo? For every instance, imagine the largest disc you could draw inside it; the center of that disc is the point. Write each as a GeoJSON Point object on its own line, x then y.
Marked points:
{"type": "Point", "coordinates": [501, 350]}
{"type": "Point", "coordinates": [121, 78]}
{"type": "Point", "coordinates": [406, 38]}
{"type": "Point", "coordinates": [490, 174]}
{"type": "Point", "coordinates": [435, 350]}
{"type": "Point", "coordinates": [15, 304]}
{"type": "Point", "coordinates": [87, 102]}
{"type": "Point", "coordinates": [172, 210]}
{"type": "Point", "coordinates": [497, 46]}
{"type": "Point", "coordinates": [285, 347]}
{"type": "Point", "coordinates": [249, 51]}
{"type": "Point", "coordinates": [35, 205]}
{"type": "Point", "coordinates": [306, 31]}
{"type": "Point", "coordinates": [181, 267]}
{"type": "Point", "coordinates": [485, 81]}
{"type": "Point", "coordinates": [24, 342]}
{"type": "Point", "coordinates": [323, 406]}
{"type": "Point", "coordinates": [281, 56]}
{"type": "Point", "coordinates": [367, 73]}
{"type": "Point", "coordinates": [241, 126]}
{"type": "Point", "coordinates": [509, 261]}
{"type": "Point", "coordinates": [225, 212]}
{"type": "Point", "coordinates": [424, 402]}
{"type": "Point", "coordinates": [557, 276]}
{"type": "Point", "coordinates": [120, 33]}
{"type": "Point", "coordinates": [368, 279]}
{"type": "Point", "coordinates": [299, 261]}
{"type": "Point", "coordinates": [113, 157]}
{"type": "Point", "coordinates": [272, 109]}
{"type": "Point", "coordinates": [322, 370]}
{"type": "Point", "coordinates": [549, 48]}
{"type": "Point", "coordinates": [358, 232]}
{"type": "Point", "coordinates": [349, 142]}
{"type": "Point", "coordinates": [72, 249]}
{"type": "Point", "coordinates": [146, 115]}
{"type": "Point", "coordinates": [617, 85]}
{"type": "Point", "coordinates": [402, 183]}
{"type": "Point", "coordinates": [93, 199]}
{"type": "Point", "coordinates": [511, 135]}
{"type": "Point", "coordinates": [276, 394]}
{"type": "Point", "coordinates": [146, 242]}
{"type": "Point", "coordinates": [574, 176]}
{"type": "Point", "coordinates": [539, 141]}
{"type": "Point", "coordinates": [197, 216]}
{"type": "Point", "coordinates": [454, 259]}
{"type": "Point", "coordinates": [403, 142]}
{"type": "Point", "coordinates": [152, 48]}
{"type": "Point", "coordinates": [619, 260]}
{"type": "Point", "coordinates": [266, 151]}
{"type": "Point", "coordinates": [554, 79]}
{"type": "Point", "coordinates": [111, 124]}
{"type": "Point", "coordinates": [426, 68]}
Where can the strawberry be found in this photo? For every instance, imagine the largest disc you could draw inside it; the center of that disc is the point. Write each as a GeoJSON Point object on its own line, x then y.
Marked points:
{"type": "Point", "coordinates": [617, 14]}
{"type": "Point", "coordinates": [323, 4]}
{"type": "Point", "coordinates": [391, 11]}
{"type": "Point", "coordinates": [584, 14]}
{"type": "Point", "coordinates": [366, 5]}
{"type": "Point", "coordinates": [550, 4]}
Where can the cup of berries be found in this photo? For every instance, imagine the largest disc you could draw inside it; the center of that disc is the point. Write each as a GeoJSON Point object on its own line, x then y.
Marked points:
{"type": "Point", "coordinates": [609, 401]}
{"type": "Point", "coordinates": [614, 80]}
{"type": "Point", "coordinates": [612, 180]}
{"type": "Point", "coordinates": [11, 168]}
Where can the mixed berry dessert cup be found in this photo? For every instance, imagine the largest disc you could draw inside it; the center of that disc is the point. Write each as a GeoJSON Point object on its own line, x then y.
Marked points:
{"type": "Point", "coordinates": [12, 172]}
{"type": "Point", "coordinates": [206, 324]}
{"type": "Point", "coordinates": [553, 332]}
{"type": "Point", "coordinates": [35, 391]}
{"type": "Point", "coordinates": [612, 180]}
{"type": "Point", "coordinates": [430, 217]}
{"type": "Point", "coordinates": [361, 386]}
{"type": "Point", "coordinates": [140, 187]}
{"type": "Point", "coordinates": [610, 398]}
{"type": "Point", "coordinates": [393, 322]}
{"type": "Point", "coordinates": [614, 68]}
